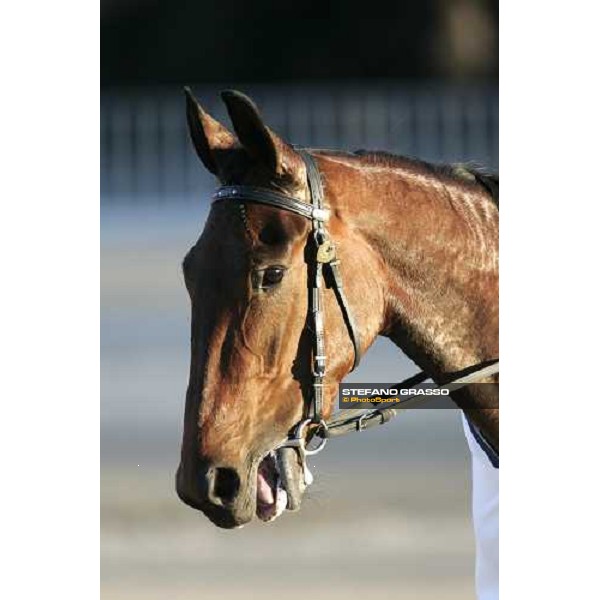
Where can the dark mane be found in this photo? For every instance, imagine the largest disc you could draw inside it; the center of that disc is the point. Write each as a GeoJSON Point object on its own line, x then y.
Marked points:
{"type": "Point", "coordinates": [465, 173]}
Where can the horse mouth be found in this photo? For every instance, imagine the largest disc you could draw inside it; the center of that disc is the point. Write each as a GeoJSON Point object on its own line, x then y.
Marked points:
{"type": "Point", "coordinates": [281, 481]}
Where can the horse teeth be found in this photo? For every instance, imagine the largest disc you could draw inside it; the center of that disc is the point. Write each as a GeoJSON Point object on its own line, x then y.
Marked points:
{"type": "Point", "coordinates": [281, 501]}
{"type": "Point", "coordinates": [308, 476]}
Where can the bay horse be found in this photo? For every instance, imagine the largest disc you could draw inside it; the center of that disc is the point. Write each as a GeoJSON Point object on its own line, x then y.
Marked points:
{"type": "Point", "coordinates": [418, 252]}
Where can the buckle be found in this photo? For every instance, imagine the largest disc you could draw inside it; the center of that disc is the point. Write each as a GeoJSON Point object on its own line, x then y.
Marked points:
{"type": "Point", "coordinates": [359, 422]}
{"type": "Point", "coordinates": [325, 251]}
{"type": "Point", "coordinates": [320, 214]}
{"type": "Point", "coordinates": [298, 440]}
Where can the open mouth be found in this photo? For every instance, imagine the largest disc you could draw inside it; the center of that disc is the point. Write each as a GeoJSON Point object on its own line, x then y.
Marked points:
{"type": "Point", "coordinates": [282, 479]}
{"type": "Point", "coordinates": [271, 496]}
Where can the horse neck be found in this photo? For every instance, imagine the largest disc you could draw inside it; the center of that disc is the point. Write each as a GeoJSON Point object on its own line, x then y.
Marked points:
{"type": "Point", "coordinates": [438, 241]}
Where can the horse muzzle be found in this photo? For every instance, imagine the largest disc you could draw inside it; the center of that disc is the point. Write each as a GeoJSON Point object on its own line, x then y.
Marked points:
{"type": "Point", "coordinates": [230, 498]}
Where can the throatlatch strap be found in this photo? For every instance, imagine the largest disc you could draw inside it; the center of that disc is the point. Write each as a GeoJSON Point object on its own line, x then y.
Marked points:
{"type": "Point", "coordinates": [338, 289]}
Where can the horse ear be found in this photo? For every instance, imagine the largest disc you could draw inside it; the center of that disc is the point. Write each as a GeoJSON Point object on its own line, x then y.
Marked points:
{"type": "Point", "coordinates": [209, 137]}
{"type": "Point", "coordinates": [259, 141]}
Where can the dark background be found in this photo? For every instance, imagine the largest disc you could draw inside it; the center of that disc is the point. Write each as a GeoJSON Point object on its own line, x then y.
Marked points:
{"type": "Point", "coordinates": [159, 42]}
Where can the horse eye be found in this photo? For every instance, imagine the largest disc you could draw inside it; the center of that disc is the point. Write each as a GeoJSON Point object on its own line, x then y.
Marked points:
{"type": "Point", "coordinates": [272, 276]}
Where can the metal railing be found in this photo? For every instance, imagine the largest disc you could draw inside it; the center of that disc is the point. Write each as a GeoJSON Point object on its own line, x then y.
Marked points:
{"type": "Point", "coordinates": [146, 155]}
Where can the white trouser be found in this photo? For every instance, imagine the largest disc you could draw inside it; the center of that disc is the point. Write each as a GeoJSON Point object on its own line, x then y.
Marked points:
{"type": "Point", "coordinates": [485, 519]}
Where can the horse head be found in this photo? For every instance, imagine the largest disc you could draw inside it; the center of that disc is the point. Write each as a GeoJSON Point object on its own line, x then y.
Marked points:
{"type": "Point", "coordinates": [251, 351]}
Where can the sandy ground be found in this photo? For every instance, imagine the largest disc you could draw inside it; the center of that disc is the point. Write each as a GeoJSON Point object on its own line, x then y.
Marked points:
{"type": "Point", "coordinates": [405, 535]}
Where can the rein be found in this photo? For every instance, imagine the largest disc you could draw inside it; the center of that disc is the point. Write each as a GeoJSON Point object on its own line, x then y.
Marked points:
{"type": "Point", "coordinates": [348, 421]}
{"type": "Point", "coordinates": [324, 266]}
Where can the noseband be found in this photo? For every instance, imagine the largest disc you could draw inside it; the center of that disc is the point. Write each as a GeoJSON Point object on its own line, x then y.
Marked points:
{"type": "Point", "coordinates": [323, 266]}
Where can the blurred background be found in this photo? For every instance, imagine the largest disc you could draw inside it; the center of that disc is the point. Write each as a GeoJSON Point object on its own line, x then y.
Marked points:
{"type": "Point", "coordinates": [388, 514]}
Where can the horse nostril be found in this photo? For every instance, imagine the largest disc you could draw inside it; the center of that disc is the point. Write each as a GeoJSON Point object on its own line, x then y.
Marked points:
{"type": "Point", "coordinates": [226, 485]}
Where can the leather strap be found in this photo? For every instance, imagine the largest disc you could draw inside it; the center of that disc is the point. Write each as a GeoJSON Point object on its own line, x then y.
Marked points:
{"type": "Point", "coordinates": [331, 267]}
{"type": "Point", "coordinates": [258, 195]}
{"type": "Point", "coordinates": [324, 264]}
{"type": "Point", "coordinates": [351, 420]}
{"type": "Point", "coordinates": [338, 289]}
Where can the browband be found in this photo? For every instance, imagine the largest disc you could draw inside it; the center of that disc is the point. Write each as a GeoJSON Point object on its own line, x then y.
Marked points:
{"type": "Point", "coordinates": [265, 196]}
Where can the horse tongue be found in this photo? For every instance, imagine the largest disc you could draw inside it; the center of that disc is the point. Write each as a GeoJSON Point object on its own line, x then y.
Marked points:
{"type": "Point", "coordinates": [264, 491]}
{"type": "Point", "coordinates": [271, 498]}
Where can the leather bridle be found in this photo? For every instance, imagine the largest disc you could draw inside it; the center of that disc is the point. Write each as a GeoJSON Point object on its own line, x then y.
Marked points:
{"type": "Point", "coordinates": [323, 266]}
